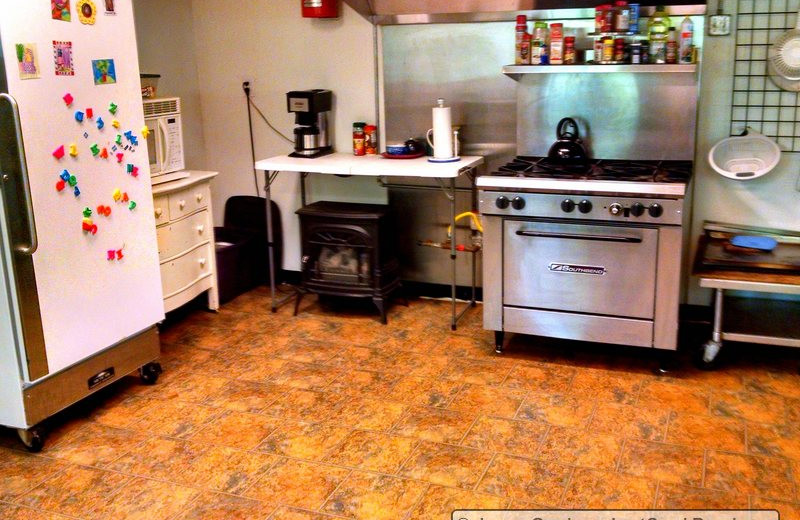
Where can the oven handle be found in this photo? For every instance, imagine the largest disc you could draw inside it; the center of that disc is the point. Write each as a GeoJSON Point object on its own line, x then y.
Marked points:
{"type": "Point", "coordinates": [578, 236]}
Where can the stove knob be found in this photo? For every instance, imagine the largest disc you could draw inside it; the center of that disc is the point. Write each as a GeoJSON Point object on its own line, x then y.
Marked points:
{"type": "Point", "coordinates": [584, 206]}
{"type": "Point", "coordinates": [501, 202]}
{"type": "Point", "coordinates": [655, 210]}
{"type": "Point", "coordinates": [615, 208]}
{"type": "Point", "coordinates": [567, 205]}
{"type": "Point", "coordinates": [637, 209]}
{"type": "Point", "coordinates": [518, 203]}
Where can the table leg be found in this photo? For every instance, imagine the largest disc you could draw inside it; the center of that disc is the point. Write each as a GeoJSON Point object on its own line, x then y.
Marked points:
{"type": "Point", "coordinates": [713, 346]}
{"type": "Point", "coordinates": [453, 252]}
{"type": "Point", "coordinates": [270, 245]}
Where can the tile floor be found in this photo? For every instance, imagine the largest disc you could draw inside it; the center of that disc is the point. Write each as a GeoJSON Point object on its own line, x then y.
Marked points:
{"type": "Point", "coordinates": [332, 415]}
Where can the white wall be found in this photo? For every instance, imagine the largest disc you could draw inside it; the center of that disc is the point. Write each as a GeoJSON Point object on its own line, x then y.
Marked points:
{"type": "Point", "coordinates": [770, 201]}
{"type": "Point", "coordinates": [165, 38]}
{"type": "Point", "coordinates": [269, 44]}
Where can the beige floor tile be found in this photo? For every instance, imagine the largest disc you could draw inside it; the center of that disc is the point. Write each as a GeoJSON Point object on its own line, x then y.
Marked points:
{"type": "Point", "coordinates": [669, 463]}
{"type": "Point", "coordinates": [74, 491]}
{"type": "Point", "coordinates": [95, 444]}
{"type": "Point", "coordinates": [446, 465]}
{"type": "Point", "coordinates": [528, 481]}
{"type": "Point", "coordinates": [747, 474]}
{"type": "Point", "coordinates": [372, 451]}
{"type": "Point", "coordinates": [488, 400]}
{"type": "Point", "coordinates": [237, 430]}
{"type": "Point", "coordinates": [593, 489]}
{"type": "Point", "coordinates": [11, 512]}
{"type": "Point", "coordinates": [435, 424]}
{"type": "Point", "coordinates": [142, 499]}
{"type": "Point", "coordinates": [304, 441]}
{"type": "Point", "coordinates": [295, 483]}
{"type": "Point", "coordinates": [515, 437]}
{"type": "Point", "coordinates": [557, 409]}
{"type": "Point", "coordinates": [216, 506]}
{"type": "Point", "coordinates": [704, 431]}
{"type": "Point", "coordinates": [576, 447]}
{"type": "Point", "coordinates": [20, 472]}
{"type": "Point", "coordinates": [424, 391]}
{"type": "Point", "coordinates": [367, 496]}
{"type": "Point", "coordinates": [439, 502]}
{"type": "Point", "coordinates": [629, 421]}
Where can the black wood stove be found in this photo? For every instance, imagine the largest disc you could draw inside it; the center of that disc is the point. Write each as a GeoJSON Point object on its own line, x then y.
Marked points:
{"type": "Point", "coordinates": [348, 250]}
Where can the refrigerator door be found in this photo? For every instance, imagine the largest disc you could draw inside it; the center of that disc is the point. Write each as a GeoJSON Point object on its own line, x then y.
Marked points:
{"type": "Point", "coordinates": [87, 302]}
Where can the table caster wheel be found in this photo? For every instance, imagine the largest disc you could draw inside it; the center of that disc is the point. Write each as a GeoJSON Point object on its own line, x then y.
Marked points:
{"type": "Point", "coordinates": [149, 373]}
{"type": "Point", "coordinates": [498, 341]}
{"type": "Point", "coordinates": [708, 358]}
{"type": "Point", "coordinates": [32, 438]}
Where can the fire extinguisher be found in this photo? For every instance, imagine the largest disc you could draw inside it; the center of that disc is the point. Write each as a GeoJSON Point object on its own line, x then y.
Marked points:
{"type": "Point", "coordinates": [320, 8]}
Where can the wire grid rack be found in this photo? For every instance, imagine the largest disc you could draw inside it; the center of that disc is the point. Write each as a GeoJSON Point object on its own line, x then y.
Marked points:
{"type": "Point", "coordinates": [757, 102]}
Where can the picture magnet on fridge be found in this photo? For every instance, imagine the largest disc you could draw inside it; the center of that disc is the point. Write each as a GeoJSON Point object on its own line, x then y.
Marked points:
{"type": "Point", "coordinates": [62, 56]}
{"type": "Point", "coordinates": [104, 72]}
{"type": "Point", "coordinates": [60, 10]}
{"type": "Point", "coordinates": [28, 60]}
{"type": "Point", "coordinates": [87, 11]}
{"type": "Point", "coordinates": [110, 7]}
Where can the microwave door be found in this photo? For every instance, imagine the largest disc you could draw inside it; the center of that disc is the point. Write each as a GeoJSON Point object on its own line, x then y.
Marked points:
{"type": "Point", "coordinates": [161, 143]}
{"type": "Point", "coordinates": [152, 147]}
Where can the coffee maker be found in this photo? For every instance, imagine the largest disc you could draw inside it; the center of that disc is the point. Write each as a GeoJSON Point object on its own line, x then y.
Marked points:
{"type": "Point", "coordinates": [311, 109]}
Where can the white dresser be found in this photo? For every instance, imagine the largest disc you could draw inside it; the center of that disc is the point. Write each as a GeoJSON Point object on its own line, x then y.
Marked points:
{"type": "Point", "coordinates": [185, 231]}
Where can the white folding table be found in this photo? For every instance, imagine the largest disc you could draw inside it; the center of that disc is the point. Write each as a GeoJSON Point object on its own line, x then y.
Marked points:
{"type": "Point", "coordinates": [371, 166]}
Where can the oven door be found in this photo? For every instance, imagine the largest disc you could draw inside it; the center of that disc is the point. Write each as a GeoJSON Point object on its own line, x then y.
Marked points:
{"type": "Point", "coordinates": [604, 270]}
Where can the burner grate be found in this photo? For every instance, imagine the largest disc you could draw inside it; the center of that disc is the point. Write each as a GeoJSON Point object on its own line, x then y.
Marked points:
{"type": "Point", "coordinates": [604, 170]}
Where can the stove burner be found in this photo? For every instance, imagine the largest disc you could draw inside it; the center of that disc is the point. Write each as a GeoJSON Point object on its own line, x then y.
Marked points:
{"type": "Point", "coordinates": [598, 169]}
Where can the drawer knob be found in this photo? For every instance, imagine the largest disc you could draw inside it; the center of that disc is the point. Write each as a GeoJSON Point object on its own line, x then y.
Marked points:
{"type": "Point", "coordinates": [202, 262]}
{"type": "Point", "coordinates": [159, 212]}
{"type": "Point", "coordinates": [200, 229]}
{"type": "Point", "coordinates": [182, 204]}
{"type": "Point", "coordinates": [199, 197]}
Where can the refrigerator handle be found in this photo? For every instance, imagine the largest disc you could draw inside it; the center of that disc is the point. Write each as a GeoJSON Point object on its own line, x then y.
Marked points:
{"type": "Point", "coordinates": [26, 187]}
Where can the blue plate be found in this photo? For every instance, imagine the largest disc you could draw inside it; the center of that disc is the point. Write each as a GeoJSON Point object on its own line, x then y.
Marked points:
{"type": "Point", "coordinates": [755, 242]}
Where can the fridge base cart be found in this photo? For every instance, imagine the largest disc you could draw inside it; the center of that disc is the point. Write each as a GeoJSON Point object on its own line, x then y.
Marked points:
{"type": "Point", "coordinates": [51, 395]}
{"type": "Point", "coordinates": [750, 320]}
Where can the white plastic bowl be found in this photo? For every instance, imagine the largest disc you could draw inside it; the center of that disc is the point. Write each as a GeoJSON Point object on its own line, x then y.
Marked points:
{"type": "Point", "coordinates": [744, 157]}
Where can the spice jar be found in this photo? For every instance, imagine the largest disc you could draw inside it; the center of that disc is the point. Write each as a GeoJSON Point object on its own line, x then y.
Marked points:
{"type": "Point", "coordinates": [608, 50]}
{"type": "Point", "coordinates": [371, 139]}
{"type": "Point", "coordinates": [359, 147]}
{"type": "Point", "coordinates": [569, 50]}
{"type": "Point", "coordinates": [622, 16]}
{"type": "Point", "coordinates": [619, 50]}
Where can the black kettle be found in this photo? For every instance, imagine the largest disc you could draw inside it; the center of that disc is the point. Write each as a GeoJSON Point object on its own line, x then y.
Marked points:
{"type": "Point", "coordinates": [569, 146]}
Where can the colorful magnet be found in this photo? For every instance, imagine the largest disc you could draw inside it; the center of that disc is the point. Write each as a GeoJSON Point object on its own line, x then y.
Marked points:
{"type": "Point", "coordinates": [60, 185]}
{"type": "Point", "coordinates": [120, 156]}
{"type": "Point", "coordinates": [100, 123]}
{"type": "Point", "coordinates": [120, 256]}
{"type": "Point", "coordinates": [68, 99]}
{"type": "Point", "coordinates": [89, 113]}
{"type": "Point", "coordinates": [125, 197]}
{"type": "Point", "coordinates": [117, 195]}
{"type": "Point", "coordinates": [73, 181]}
{"type": "Point", "coordinates": [135, 171]}
{"type": "Point", "coordinates": [79, 116]}
{"type": "Point", "coordinates": [65, 175]}
{"type": "Point", "coordinates": [104, 153]}
{"type": "Point", "coordinates": [76, 192]}
{"type": "Point", "coordinates": [88, 226]}
{"type": "Point", "coordinates": [110, 254]}
{"type": "Point", "coordinates": [73, 149]}
{"type": "Point", "coordinates": [58, 153]}
{"type": "Point", "coordinates": [87, 12]}
{"type": "Point", "coordinates": [129, 167]}
{"type": "Point", "coordinates": [87, 212]}
{"type": "Point", "coordinates": [118, 140]}
{"type": "Point", "coordinates": [145, 131]}
{"type": "Point", "coordinates": [86, 135]}
{"type": "Point", "coordinates": [132, 205]}
{"type": "Point", "coordinates": [112, 107]}
{"type": "Point", "coordinates": [135, 141]}
{"type": "Point", "coordinates": [104, 210]}
{"type": "Point", "coordinates": [115, 123]}
{"type": "Point", "coordinates": [95, 149]}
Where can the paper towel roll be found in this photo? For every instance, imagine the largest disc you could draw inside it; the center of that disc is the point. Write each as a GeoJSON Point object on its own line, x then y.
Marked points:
{"type": "Point", "coordinates": [442, 132]}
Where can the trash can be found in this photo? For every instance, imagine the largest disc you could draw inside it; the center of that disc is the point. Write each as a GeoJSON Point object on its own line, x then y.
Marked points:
{"type": "Point", "coordinates": [241, 246]}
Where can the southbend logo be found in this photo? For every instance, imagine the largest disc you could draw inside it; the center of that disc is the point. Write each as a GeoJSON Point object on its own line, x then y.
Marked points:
{"type": "Point", "coordinates": [577, 269]}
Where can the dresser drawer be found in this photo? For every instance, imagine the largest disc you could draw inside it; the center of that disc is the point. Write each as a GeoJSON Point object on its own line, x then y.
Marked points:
{"type": "Point", "coordinates": [187, 201]}
{"type": "Point", "coordinates": [177, 237]}
{"type": "Point", "coordinates": [161, 209]}
{"type": "Point", "coordinates": [180, 273]}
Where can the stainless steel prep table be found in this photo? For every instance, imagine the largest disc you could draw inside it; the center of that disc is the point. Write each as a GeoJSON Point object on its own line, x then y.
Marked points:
{"type": "Point", "coordinates": [371, 166]}
{"type": "Point", "coordinates": [750, 320]}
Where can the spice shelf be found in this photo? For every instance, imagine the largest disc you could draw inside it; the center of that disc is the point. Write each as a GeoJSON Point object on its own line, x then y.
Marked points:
{"type": "Point", "coordinates": [514, 71]}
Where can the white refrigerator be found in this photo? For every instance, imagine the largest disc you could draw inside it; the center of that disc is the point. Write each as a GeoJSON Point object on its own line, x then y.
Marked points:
{"type": "Point", "coordinates": [80, 289]}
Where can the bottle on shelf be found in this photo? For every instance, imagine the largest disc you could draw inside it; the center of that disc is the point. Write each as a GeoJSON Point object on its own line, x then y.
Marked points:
{"type": "Point", "coordinates": [685, 48]}
{"type": "Point", "coordinates": [569, 50]}
{"type": "Point", "coordinates": [525, 50]}
{"type": "Point", "coordinates": [659, 22]}
{"type": "Point", "coordinates": [556, 43]}
{"type": "Point", "coordinates": [672, 47]}
{"type": "Point", "coordinates": [520, 30]}
{"type": "Point", "coordinates": [658, 28]}
{"type": "Point", "coordinates": [622, 16]}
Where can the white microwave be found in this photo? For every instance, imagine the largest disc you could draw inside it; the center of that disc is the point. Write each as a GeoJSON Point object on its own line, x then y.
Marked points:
{"type": "Point", "coordinates": [165, 141]}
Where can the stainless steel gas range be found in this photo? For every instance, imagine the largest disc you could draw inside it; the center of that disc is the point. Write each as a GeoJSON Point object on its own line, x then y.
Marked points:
{"type": "Point", "coordinates": [584, 251]}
